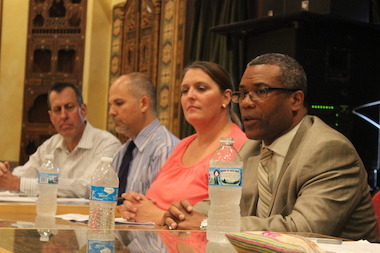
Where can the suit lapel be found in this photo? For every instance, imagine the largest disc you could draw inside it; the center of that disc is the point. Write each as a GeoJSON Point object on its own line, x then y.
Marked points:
{"type": "Point", "coordinates": [296, 142]}
{"type": "Point", "coordinates": [250, 152]}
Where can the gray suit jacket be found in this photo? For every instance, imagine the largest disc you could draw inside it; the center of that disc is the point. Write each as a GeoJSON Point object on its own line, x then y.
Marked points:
{"type": "Point", "coordinates": [322, 187]}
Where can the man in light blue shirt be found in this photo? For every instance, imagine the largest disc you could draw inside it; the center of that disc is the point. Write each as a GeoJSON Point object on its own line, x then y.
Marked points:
{"type": "Point", "coordinates": [132, 100]}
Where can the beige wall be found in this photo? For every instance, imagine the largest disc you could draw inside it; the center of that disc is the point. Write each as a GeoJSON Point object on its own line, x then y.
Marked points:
{"type": "Point", "coordinates": [96, 64]}
{"type": "Point", "coordinates": [12, 69]}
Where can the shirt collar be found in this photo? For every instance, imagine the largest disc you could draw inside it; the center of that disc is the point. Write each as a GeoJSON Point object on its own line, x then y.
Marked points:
{"type": "Point", "coordinates": [85, 141]}
{"type": "Point", "coordinates": [144, 136]}
{"type": "Point", "coordinates": [281, 145]}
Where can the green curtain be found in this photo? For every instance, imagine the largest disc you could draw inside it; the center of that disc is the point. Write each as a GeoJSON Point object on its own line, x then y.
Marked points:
{"type": "Point", "coordinates": [209, 46]}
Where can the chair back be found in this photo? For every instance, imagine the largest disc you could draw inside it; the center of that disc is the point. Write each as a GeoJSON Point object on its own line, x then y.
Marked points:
{"type": "Point", "coordinates": [376, 205]}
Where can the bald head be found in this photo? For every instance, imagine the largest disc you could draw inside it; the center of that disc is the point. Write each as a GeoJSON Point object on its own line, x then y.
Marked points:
{"type": "Point", "coordinates": [132, 100]}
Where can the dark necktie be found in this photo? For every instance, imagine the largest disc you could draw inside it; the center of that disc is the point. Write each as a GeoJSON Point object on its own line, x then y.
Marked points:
{"type": "Point", "coordinates": [124, 167]}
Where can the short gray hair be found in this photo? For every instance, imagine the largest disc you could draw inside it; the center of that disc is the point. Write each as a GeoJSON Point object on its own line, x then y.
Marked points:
{"type": "Point", "coordinates": [141, 85]}
{"type": "Point", "coordinates": [292, 74]}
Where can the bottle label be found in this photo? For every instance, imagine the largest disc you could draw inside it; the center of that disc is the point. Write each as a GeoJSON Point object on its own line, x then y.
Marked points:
{"type": "Point", "coordinates": [104, 193]}
{"type": "Point", "coordinates": [100, 246]}
{"type": "Point", "coordinates": [222, 176]}
{"type": "Point", "coordinates": [47, 178]}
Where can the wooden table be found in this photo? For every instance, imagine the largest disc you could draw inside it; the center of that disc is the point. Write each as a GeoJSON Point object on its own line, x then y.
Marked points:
{"type": "Point", "coordinates": [19, 234]}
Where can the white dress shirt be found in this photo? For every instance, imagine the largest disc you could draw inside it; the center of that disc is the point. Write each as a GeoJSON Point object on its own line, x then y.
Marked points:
{"type": "Point", "coordinates": [75, 168]}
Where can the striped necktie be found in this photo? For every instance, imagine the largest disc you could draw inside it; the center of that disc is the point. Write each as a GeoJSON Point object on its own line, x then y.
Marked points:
{"type": "Point", "coordinates": [265, 191]}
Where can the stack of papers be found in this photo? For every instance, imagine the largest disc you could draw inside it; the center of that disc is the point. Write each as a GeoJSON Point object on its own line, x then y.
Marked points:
{"type": "Point", "coordinates": [74, 217]}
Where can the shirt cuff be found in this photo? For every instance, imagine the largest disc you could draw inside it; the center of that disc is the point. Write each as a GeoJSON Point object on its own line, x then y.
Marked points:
{"type": "Point", "coordinates": [28, 186]}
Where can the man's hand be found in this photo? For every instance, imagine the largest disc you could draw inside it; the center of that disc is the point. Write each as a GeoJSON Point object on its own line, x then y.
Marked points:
{"type": "Point", "coordinates": [8, 181]}
{"type": "Point", "coordinates": [4, 168]}
{"type": "Point", "coordinates": [181, 216]}
{"type": "Point", "coordinates": [137, 207]}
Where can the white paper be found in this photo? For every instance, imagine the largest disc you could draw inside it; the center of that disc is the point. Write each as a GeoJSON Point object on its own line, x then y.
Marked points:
{"type": "Point", "coordinates": [7, 196]}
{"type": "Point", "coordinates": [350, 247]}
{"type": "Point", "coordinates": [83, 218]}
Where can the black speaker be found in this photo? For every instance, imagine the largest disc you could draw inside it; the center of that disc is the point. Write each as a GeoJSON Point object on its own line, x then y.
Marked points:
{"type": "Point", "coordinates": [271, 7]}
{"type": "Point", "coordinates": [341, 61]}
{"type": "Point", "coordinates": [348, 9]}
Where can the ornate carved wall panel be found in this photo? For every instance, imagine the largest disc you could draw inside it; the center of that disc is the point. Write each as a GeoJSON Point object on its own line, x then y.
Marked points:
{"type": "Point", "coordinates": [136, 47]}
{"type": "Point", "coordinates": [171, 64]}
{"type": "Point", "coordinates": [152, 43]}
{"type": "Point", "coordinates": [55, 52]}
{"type": "Point", "coordinates": [141, 37]}
{"type": "Point", "coordinates": [131, 37]}
{"type": "Point", "coordinates": [118, 15]}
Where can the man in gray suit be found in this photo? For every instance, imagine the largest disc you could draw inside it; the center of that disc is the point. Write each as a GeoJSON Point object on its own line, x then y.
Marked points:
{"type": "Point", "coordinates": [317, 180]}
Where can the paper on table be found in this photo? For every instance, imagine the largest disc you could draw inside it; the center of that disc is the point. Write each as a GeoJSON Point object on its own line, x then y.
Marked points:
{"type": "Point", "coordinates": [73, 217]}
{"type": "Point", "coordinates": [131, 223]}
{"type": "Point", "coordinates": [83, 218]}
{"type": "Point", "coordinates": [351, 247]}
{"type": "Point", "coordinates": [82, 201]}
{"type": "Point", "coordinates": [7, 196]}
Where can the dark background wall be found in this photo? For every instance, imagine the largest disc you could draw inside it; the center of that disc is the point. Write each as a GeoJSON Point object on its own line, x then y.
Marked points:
{"type": "Point", "coordinates": [337, 42]}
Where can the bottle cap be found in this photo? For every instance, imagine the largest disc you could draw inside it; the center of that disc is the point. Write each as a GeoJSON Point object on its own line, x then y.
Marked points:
{"type": "Point", "coordinates": [49, 157]}
{"type": "Point", "coordinates": [44, 238]}
{"type": "Point", "coordinates": [227, 140]}
{"type": "Point", "coordinates": [106, 159]}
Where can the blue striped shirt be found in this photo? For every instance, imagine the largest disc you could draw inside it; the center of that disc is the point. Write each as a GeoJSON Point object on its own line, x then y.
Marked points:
{"type": "Point", "coordinates": [154, 144]}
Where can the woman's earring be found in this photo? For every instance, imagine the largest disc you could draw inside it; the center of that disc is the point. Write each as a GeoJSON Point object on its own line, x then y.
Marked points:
{"type": "Point", "coordinates": [224, 105]}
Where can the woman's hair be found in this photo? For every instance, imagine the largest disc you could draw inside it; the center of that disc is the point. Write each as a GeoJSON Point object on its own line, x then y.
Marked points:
{"type": "Point", "coordinates": [221, 77]}
{"type": "Point", "coordinates": [215, 71]}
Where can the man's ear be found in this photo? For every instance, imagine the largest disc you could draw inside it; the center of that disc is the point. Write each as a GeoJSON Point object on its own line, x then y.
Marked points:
{"type": "Point", "coordinates": [50, 115]}
{"type": "Point", "coordinates": [144, 103]}
{"type": "Point", "coordinates": [84, 110]}
{"type": "Point", "coordinates": [298, 99]}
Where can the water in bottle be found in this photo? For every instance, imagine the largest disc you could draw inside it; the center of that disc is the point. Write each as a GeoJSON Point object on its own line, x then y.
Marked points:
{"type": "Point", "coordinates": [103, 199]}
{"type": "Point", "coordinates": [45, 226]}
{"type": "Point", "coordinates": [216, 247]}
{"type": "Point", "coordinates": [100, 241]}
{"type": "Point", "coordinates": [47, 187]}
{"type": "Point", "coordinates": [225, 184]}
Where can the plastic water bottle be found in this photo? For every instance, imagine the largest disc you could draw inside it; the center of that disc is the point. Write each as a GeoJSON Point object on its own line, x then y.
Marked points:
{"type": "Point", "coordinates": [216, 247]}
{"type": "Point", "coordinates": [103, 199]}
{"type": "Point", "coordinates": [225, 184]}
{"type": "Point", "coordinates": [100, 241]}
{"type": "Point", "coordinates": [45, 226]}
{"type": "Point", "coordinates": [47, 187]}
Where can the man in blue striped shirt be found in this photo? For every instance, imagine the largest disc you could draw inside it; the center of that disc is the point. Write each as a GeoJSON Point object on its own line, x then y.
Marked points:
{"type": "Point", "coordinates": [132, 100]}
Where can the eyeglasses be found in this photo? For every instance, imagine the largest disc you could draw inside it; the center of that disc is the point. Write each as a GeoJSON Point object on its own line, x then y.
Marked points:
{"type": "Point", "coordinates": [58, 109]}
{"type": "Point", "coordinates": [256, 95]}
